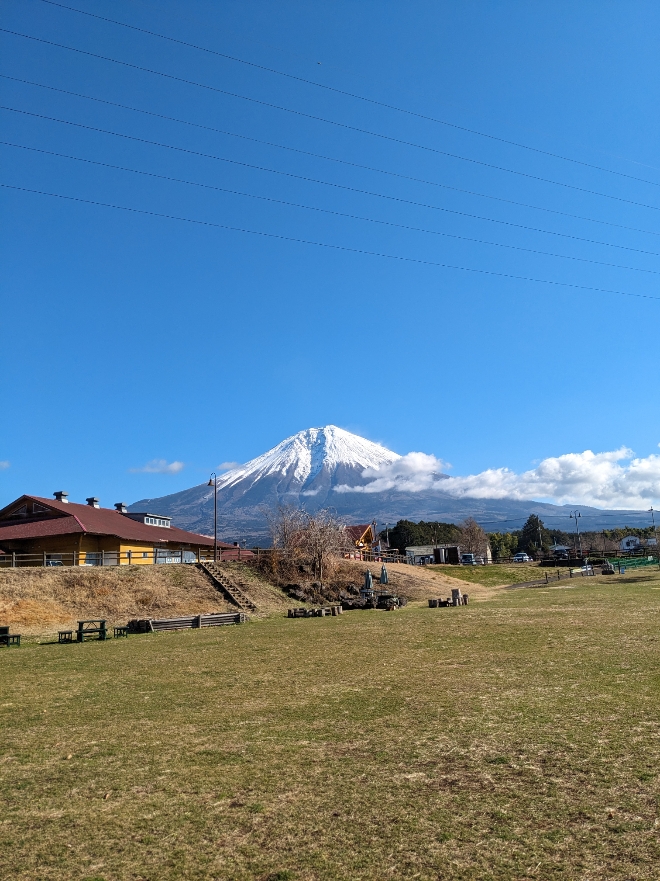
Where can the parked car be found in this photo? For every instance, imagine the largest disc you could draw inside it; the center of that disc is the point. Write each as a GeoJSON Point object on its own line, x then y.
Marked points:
{"type": "Point", "coordinates": [468, 560]}
{"type": "Point", "coordinates": [521, 558]}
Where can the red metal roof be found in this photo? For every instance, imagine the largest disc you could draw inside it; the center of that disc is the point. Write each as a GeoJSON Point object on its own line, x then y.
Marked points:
{"type": "Point", "coordinates": [97, 521]}
{"type": "Point", "coordinates": [355, 533]}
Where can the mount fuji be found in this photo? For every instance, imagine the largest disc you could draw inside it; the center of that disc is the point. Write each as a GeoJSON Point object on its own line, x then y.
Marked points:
{"type": "Point", "coordinates": [328, 468]}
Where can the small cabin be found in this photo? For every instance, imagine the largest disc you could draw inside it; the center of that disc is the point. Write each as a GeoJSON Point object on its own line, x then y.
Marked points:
{"type": "Point", "coordinates": [630, 543]}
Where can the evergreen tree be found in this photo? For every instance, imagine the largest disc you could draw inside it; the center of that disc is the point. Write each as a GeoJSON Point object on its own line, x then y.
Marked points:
{"type": "Point", "coordinates": [406, 533]}
{"type": "Point", "coordinates": [534, 537]}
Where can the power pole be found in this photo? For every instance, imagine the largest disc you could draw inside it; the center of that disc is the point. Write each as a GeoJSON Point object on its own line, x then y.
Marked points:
{"type": "Point", "coordinates": [655, 534]}
{"type": "Point", "coordinates": [575, 515]}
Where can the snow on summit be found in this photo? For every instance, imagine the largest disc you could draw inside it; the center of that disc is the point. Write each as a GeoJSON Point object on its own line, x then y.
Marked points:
{"type": "Point", "coordinates": [301, 457]}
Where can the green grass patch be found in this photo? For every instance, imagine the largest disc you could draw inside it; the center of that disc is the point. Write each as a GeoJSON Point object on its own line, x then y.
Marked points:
{"type": "Point", "coordinates": [513, 739]}
{"type": "Point", "coordinates": [495, 574]}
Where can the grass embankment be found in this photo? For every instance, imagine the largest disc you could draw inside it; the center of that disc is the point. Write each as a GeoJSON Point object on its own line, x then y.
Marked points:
{"type": "Point", "coordinates": [421, 583]}
{"type": "Point", "coordinates": [513, 739]}
{"type": "Point", "coordinates": [38, 601]}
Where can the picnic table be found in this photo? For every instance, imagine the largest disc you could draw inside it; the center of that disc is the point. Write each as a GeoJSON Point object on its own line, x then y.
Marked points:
{"type": "Point", "coordinates": [87, 628]}
{"type": "Point", "coordinates": [7, 638]}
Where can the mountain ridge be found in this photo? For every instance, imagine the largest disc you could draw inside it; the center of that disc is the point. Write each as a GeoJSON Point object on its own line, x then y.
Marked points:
{"type": "Point", "coordinates": [307, 468]}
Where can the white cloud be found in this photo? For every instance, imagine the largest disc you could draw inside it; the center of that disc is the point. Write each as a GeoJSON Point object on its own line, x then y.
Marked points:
{"type": "Point", "coordinates": [159, 466]}
{"type": "Point", "coordinates": [615, 479]}
{"type": "Point", "coordinates": [3, 465]}
{"type": "Point", "coordinates": [228, 466]}
{"type": "Point", "coordinates": [411, 473]}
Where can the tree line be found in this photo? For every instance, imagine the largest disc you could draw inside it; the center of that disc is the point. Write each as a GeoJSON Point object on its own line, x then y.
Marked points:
{"type": "Point", "coordinates": [534, 538]}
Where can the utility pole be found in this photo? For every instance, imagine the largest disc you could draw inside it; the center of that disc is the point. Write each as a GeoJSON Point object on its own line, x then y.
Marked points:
{"type": "Point", "coordinates": [655, 534]}
{"type": "Point", "coordinates": [575, 515]}
{"type": "Point", "coordinates": [538, 520]}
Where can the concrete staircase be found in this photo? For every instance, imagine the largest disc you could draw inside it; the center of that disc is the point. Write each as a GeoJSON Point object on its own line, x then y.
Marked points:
{"type": "Point", "coordinates": [232, 586]}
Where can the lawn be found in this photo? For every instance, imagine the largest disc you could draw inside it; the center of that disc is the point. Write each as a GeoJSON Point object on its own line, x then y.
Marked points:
{"type": "Point", "coordinates": [500, 573]}
{"type": "Point", "coordinates": [517, 738]}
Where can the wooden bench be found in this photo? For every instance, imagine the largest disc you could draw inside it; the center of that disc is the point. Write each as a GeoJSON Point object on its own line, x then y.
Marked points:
{"type": "Point", "coordinates": [65, 635]}
{"type": "Point", "coordinates": [7, 638]}
{"type": "Point", "coordinates": [120, 631]}
{"type": "Point", "coordinates": [88, 628]}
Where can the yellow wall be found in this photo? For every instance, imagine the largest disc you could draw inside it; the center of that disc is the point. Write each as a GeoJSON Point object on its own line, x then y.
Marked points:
{"type": "Point", "coordinates": [137, 552]}
{"type": "Point", "coordinates": [74, 548]}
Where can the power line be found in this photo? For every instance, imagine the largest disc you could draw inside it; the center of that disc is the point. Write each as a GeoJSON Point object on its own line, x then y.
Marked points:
{"type": "Point", "coordinates": [351, 94]}
{"type": "Point", "coordinates": [325, 183]}
{"type": "Point", "coordinates": [345, 248]}
{"type": "Point", "coordinates": [330, 158]}
{"type": "Point", "coordinates": [324, 210]}
{"type": "Point", "coordinates": [333, 122]}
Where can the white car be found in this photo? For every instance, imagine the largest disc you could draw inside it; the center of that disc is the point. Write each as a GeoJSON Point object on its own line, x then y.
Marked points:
{"type": "Point", "coordinates": [521, 558]}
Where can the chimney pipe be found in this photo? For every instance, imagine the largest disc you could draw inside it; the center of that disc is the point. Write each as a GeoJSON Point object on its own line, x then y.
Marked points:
{"type": "Point", "coordinates": [61, 496]}
{"type": "Point", "coordinates": [121, 508]}
{"type": "Point", "coordinates": [93, 502]}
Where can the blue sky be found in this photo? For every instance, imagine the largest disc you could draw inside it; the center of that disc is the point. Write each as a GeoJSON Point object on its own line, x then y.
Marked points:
{"type": "Point", "coordinates": [129, 338]}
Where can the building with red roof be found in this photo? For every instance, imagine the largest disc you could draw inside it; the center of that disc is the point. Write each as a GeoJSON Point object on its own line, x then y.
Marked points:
{"type": "Point", "coordinates": [63, 532]}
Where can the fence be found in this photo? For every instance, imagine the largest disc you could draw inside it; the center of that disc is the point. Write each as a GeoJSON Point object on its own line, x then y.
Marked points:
{"type": "Point", "coordinates": [109, 558]}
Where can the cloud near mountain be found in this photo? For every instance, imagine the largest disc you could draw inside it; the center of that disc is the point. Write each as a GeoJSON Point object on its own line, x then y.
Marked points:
{"type": "Point", "coordinates": [615, 479]}
{"type": "Point", "coordinates": [159, 466]}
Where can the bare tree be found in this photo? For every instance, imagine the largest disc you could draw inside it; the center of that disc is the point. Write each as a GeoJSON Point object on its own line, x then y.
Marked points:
{"type": "Point", "coordinates": [323, 538]}
{"type": "Point", "coordinates": [313, 539]}
{"type": "Point", "coordinates": [287, 525]}
{"type": "Point", "coordinates": [473, 539]}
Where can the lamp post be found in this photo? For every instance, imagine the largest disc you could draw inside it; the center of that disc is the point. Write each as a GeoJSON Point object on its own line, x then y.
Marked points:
{"type": "Point", "coordinates": [574, 515]}
{"type": "Point", "coordinates": [214, 483]}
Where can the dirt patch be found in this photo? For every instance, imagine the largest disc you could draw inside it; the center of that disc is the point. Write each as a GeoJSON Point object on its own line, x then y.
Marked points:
{"type": "Point", "coordinates": [419, 583]}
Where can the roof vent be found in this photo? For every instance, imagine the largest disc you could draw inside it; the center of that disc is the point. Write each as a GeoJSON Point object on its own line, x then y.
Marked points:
{"type": "Point", "coordinates": [121, 508]}
{"type": "Point", "coordinates": [61, 496]}
{"type": "Point", "coordinates": [93, 502]}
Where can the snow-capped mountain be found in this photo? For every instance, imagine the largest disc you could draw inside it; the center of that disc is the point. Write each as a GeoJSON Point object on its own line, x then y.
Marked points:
{"type": "Point", "coordinates": [312, 461]}
{"type": "Point", "coordinates": [302, 470]}
{"type": "Point", "coordinates": [316, 469]}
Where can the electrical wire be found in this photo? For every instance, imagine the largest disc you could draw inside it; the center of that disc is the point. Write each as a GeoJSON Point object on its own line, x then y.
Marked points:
{"type": "Point", "coordinates": [344, 248]}
{"type": "Point", "coordinates": [351, 94]}
{"type": "Point", "coordinates": [325, 183]}
{"type": "Point", "coordinates": [335, 123]}
{"type": "Point", "coordinates": [324, 210]}
{"type": "Point", "coordinates": [396, 174]}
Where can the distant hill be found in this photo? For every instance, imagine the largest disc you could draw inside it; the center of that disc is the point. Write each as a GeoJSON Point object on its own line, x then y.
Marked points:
{"type": "Point", "coordinates": [305, 470]}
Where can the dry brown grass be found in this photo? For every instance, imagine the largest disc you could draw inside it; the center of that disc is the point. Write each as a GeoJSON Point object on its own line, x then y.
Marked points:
{"type": "Point", "coordinates": [421, 583]}
{"type": "Point", "coordinates": [40, 601]}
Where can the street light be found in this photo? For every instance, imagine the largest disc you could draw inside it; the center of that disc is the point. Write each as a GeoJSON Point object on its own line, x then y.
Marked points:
{"type": "Point", "coordinates": [575, 515]}
{"type": "Point", "coordinates": [214, 483]}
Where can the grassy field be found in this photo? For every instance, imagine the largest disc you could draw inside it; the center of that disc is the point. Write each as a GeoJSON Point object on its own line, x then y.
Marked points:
{"type": "Point", "coordinates": [494, 575]}
{"type": "Point", "coordinates": [515, 739]}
